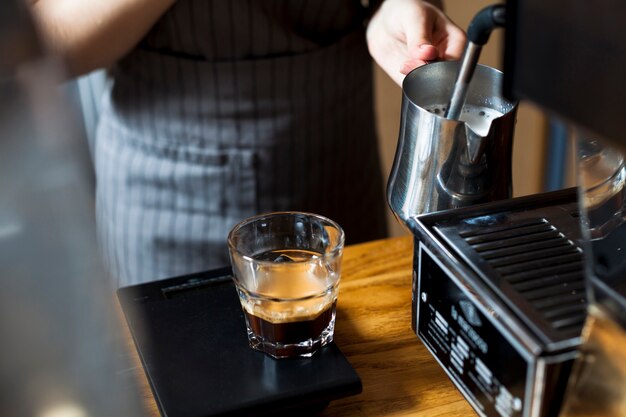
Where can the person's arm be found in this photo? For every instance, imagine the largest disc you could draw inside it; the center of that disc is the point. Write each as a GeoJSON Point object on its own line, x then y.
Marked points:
{"type": "Point", "coordinates": [404, 34]}
{"type": "Point", "coordinates": [91, 34]}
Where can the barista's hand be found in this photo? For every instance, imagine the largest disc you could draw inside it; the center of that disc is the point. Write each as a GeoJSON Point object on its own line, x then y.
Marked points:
{"type": "Point", "coordinates": [404, 34]}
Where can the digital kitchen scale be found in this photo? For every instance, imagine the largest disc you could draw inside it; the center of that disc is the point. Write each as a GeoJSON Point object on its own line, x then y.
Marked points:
{"type": "Point", "coordinates": [499, 299]}
{"type": "Point", "coordinates": [190, 334]}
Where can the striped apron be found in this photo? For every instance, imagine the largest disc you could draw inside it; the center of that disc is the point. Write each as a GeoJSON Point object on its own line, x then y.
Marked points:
{"type": "Point", "coordinates": [230, 108]}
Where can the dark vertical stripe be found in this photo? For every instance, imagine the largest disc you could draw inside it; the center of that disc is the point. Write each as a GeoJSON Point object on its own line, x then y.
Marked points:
{"type": "Point", "coordinates": [318, 16]}
{"type": "Point", "coordinates": [280, 14]}
{"type": "Point", "coordinates": [145, 269]}
{"type": "Point", "coordinates": [154, 230]}
{"type": "Point", "coordinates": [319, 140]}
{"type": "Point", "coordinates": [184, 192]}
{"type": "Point", "coordinates": [217, 96]}
{"type": "Point", "coordinates": [162, 206]}
{"type": "Point", "coordinates": [292, 157]}
{"type": "Point", "coordinates": [120, 198]}
{"type": "Point", "coordinates": [123, 172]}
{"type": "Point", "coordinates": [255, 106]}
{"type": "Point", "coordinates": [218, 111]}
{"type": "Point", "coordinates": [128, 261]}
{"type": "Point", "coordinates": [329, 138]}
{"type": "Point", "coordinates": [236, 73]}
{"type": "Point", "coordinates": [173, 37]}
{"type": "Point", "coordinates": [193, 18]}
{"type": "Point", "coordinates": [275, 149]}
{"type": "Point", "coordinates": [204, 192]}
{"type": "Point", "coordinates": [105, 142]}
{"type": "Point", "coordinates": [213, 36]}
{"type": "Point", "coordinates": [351, 107]}
{"type": "Point", "coordinates": [202, 96]}
{"type": "Point", "coordinates": [119, 171]}
{"type": "Point", "coordinates": [186, 206]}
{"type": "Point", "coordinates": [196, 244]}
{"type": "Point", "coordinates": [178, 180]}
{"type": "Point", "coordinates": [197, 85]}
{"type": "Point", "coordinates": [302, 136]}
{"type": "Point", "coordinates": [324, 15]}
{"type": "Point", "coordinates": [305, 137]}
{"type": "Point", "coordinates": [144, 106]}
{"type": "Point", "coordinates": [150, 226]}
{"type": "Point", "coordinates": [103, 183]}
{"type": "Point", "coordinates": [339, 154]}
{"type": "Point", "coordinates": [133, 201]}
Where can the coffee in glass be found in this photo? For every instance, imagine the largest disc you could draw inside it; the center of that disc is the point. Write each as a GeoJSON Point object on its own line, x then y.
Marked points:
{"type": "Point", "coordinates": [286, 268]}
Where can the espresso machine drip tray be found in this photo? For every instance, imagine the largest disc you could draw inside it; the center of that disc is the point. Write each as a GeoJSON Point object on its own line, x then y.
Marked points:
{"type": "Point", "coordinates": [499, 299]}
{"type": "Point", "coordinates": [531, 261]}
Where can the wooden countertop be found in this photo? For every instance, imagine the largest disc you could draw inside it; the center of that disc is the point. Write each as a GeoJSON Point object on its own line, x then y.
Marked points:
{"type": "Point", "coordinates": [373, 329]}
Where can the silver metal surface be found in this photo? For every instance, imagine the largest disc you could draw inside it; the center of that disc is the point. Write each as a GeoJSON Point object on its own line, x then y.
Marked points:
{"type": "Point", "coordinates": [439, 163]}
{"type": "Point", "coordinates": [461, 86]}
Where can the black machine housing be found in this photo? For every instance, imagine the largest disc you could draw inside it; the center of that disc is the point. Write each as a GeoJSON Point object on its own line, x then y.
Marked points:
{"type": "Point", "coordinates": [569, 58]}
{"type": "Point", "coordinates": [499, 299]}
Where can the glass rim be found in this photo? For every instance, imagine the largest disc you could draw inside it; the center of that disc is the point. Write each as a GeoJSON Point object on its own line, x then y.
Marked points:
{"type": "Point", "coordinates": [338, 247]}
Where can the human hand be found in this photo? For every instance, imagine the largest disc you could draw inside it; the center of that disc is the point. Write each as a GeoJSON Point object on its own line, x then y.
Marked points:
{"type": "Point", "coordinates": [404, 34]}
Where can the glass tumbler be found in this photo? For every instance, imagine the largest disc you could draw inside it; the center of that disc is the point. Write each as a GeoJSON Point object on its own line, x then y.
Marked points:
{"type": "Point", "coordinates": [286, 267]}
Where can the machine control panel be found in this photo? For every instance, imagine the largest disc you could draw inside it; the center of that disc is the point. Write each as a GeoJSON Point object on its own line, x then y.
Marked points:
{"type": "Point", "coordinates": [485, 366]}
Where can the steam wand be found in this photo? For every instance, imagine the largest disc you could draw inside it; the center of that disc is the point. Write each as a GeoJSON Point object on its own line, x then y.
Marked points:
{"type": "Point", "coordinates": [478, 34]}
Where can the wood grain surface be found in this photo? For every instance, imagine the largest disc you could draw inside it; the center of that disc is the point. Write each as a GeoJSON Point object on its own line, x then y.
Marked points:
{"type": "Point", "coordinates": [373, 329]}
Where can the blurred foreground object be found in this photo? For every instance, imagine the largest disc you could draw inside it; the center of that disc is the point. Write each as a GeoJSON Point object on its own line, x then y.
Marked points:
{"type": "Point", "coordinates": [597, 386]}
{"type": "Point", "coordinates": [582, 86]}
{"type": "Point", "coordinates": [60, 356]}
{"type": "Point", "coordinates": [597, 382]}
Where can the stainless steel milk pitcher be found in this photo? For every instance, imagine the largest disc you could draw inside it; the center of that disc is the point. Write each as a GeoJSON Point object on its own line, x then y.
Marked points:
{"type": "Point", "coordinates": [441, 163]}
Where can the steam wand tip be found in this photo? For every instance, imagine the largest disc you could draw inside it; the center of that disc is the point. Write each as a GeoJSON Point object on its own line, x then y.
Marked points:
{"type": "Point", "coordinates": [478, 34]}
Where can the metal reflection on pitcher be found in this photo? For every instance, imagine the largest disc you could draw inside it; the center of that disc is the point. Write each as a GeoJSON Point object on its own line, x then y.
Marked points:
{"type": "Point", "coordinates": [442, 163]}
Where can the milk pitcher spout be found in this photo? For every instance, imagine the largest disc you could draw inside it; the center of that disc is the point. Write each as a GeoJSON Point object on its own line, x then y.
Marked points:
{"type": "Point", "coordinates": [442, 163]}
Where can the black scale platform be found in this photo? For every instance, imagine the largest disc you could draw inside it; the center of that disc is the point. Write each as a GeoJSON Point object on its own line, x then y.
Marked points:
{"type": "Point", "coordinates": [191, 337]}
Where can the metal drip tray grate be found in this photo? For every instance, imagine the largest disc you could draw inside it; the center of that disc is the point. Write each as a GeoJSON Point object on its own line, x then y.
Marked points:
{"type": "Point", "coordinates": [530, 257]}
{"type": "Point", "coordinates": [541, 264]}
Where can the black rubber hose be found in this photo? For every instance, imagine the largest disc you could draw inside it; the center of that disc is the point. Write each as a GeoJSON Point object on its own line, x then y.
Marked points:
{"type": "Point", "coordinates": [484, 22]}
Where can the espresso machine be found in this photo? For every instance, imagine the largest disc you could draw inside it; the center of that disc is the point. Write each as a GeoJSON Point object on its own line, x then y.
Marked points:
{"type": "Point", "coordinates": [523, 301]}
